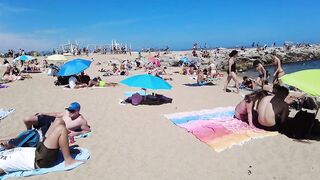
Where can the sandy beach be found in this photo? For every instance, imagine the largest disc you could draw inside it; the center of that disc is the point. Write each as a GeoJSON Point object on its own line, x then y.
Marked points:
{"type": "Point", "coordinates": [138, 142]}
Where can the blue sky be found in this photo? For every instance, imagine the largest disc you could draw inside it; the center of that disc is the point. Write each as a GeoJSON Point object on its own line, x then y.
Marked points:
{"type": "Point", "coordinates": [42, 25]}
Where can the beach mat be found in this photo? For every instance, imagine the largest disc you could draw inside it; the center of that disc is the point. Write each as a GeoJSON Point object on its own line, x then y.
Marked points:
{"type": "Point", "coordinates": [3, 86]}
{"type": "Point", "coordinates": [81, 154]}
{"type": "Point", "coordinates": [217, 127]}
{"type": "Point", "coordinates": [200, 84]}
{"type": "Point", "coordinates": [5, 112]}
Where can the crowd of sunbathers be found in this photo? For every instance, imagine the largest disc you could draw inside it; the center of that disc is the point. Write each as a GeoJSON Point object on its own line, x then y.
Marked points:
{"type": "Point", "coordinates": [81, 81]}
{"type": "Point", "coordinates": [13, 73]}
{"type": "Point", "coordinates": [55, 131]}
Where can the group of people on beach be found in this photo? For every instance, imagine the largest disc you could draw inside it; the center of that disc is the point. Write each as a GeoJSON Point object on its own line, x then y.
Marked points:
{"type": "Point", "coordinates": [55, 130]}
{"type": "Point", "coordinates": [267, 107]}
{"type": "Point", "coordinates": [13, 73]}
{"type": "Point", "coordinates": [262, 78]}
{"type": "Point", "coordinates": [270, 111]}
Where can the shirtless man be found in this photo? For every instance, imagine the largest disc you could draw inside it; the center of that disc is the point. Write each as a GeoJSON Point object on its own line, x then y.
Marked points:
{"type": "Point", "coordinates": [75, 122]}
{"type": "Point", "coordinates": [273, 110]}
{"type": "Point", "coordinates": [245, 111]}
{"type": "Point", "coordinates": [262, 72]}
{"type": "Point", "coordinates": [278, 72]}
{"type": "Point", "coordinates": [43, 156]}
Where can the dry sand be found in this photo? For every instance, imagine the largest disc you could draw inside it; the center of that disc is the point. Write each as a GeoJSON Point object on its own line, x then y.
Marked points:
{"type": "Point", "coordinates": [131, 142]}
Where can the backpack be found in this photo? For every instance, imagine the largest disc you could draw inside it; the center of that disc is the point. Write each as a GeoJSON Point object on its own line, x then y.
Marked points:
{"type": "Point", "coordinates": [29, 138]}
{"type": "Point", "coordinates": [300, 126]}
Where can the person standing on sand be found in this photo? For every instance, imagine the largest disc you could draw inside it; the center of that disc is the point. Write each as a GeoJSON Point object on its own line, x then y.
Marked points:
{"type": "Point", "coordinates": [232, 71]}
{"type": "Point", "coordinates": [278, 72]}
{"type": "Point", "coordinates": [262, 78]}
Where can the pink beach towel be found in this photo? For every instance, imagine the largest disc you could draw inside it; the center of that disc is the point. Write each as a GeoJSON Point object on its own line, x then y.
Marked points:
{"type": "Point", "coordinates": [217, 127]}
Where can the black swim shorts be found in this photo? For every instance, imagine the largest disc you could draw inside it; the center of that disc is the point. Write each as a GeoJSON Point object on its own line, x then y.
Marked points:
{"type": "Point", "coordinates": [44, 123]}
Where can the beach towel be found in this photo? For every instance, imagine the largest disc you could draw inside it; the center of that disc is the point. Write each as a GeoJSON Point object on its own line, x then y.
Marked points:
{"type": "Point", "coordinates": [5, 112]}
{"type": "Point", "coordinates": [217, 127]}
{"type": "Point", "coordinates": [205, 83]}
{"type": "Point", "coordinates": [81, 154]}
{"type": "Point", "coordinates": [3, 86]}
{"type": "Point", "coordinates": [84, 135]}
{"type": "Point", "coordinates": [3, 81]}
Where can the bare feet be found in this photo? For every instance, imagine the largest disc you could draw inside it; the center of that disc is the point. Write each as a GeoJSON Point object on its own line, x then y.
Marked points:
{"type": "Point", "coordinates": [71, 161]}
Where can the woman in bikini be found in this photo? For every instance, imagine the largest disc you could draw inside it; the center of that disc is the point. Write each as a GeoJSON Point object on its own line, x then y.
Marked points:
{"type": "Point", "coordinates": [232, 71]}
{"type": "Point", "coordinates": [245, 109]}
{"type": "Point", "coordinates": [278, 72]}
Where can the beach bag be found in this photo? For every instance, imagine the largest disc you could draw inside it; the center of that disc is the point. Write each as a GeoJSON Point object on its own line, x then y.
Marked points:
{"type": "Point", "coordinates": [300, 126]}
{"type": "Point", "coordinates": [29, 138]}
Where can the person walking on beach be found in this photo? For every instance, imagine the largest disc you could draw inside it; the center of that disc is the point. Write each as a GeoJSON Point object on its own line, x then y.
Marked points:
{"type": "Point", "coordinates": [278, 72]}
{"type": "Point", "coordinates": [232, 71]}
{"type": "Point", "coordinates": [262, 78]}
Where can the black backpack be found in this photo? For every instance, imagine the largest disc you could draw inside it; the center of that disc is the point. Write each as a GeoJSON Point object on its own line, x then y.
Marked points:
{"type": "Point", "coordinates": [300, 126]}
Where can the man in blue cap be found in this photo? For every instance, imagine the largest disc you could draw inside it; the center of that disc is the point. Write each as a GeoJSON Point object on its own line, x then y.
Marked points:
{"type": "Point", "coordinates": [74, 121]}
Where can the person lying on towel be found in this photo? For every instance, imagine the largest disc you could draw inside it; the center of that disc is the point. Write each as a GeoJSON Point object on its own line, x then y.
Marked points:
{"type": "Point", "coordinates": [75, 122]}
{"type": "Point", "coordinates": [43, 156]}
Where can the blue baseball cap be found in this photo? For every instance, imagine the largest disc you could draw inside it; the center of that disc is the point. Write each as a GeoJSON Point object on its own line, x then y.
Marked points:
{"type": "Point", "coordinates": [75, 106]}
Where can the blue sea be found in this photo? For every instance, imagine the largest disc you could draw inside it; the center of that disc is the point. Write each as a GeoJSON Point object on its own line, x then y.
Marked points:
{"type": "Point", "coordinates": [288, 68]}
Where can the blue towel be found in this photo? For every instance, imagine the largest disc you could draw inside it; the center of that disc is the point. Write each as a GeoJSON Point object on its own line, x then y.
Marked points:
{"type": "Point", "coordinates": [5, 112]}
{"type": "Point", "coordinates": [83, 155]}
{"type": "Point", "coordinates": [206, 83]}
{"type": "Point", "coordinates": [84, 135]}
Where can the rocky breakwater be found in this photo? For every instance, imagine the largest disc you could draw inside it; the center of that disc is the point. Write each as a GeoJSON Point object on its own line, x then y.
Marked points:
{"type": "Point", "coordinates": [286, 55]}
{"type": "Point", "coordinates": [247, 56]}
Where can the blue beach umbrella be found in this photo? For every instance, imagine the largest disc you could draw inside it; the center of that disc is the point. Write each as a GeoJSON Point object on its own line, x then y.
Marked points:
{"type": "Point", "coordinates": [185, 60]}
{"type": "Point", "coordinates": [24, 58]}
{"type": "Point", "coordinates": [73, 67]}
{"type": "Point", "coordinates": [146, 81]}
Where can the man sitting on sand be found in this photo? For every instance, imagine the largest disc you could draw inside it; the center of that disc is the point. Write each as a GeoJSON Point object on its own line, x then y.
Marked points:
{"type": "Point", "coordinates": [43, 156]}
{"type": "Point", "coordinates": [245, 111]}
{"type": "Point", "coordinates": [84, 78]}
{"type": "Point", "coordinates": [273, 110]}
{"type": "Point", "coordinates": [75, 122]}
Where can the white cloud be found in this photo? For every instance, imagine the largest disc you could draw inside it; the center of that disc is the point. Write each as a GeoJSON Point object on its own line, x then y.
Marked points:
{"type": "Point", "coordinates": [16, 41]}
{"type": "Point", "coordinates": [4, 8]}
